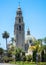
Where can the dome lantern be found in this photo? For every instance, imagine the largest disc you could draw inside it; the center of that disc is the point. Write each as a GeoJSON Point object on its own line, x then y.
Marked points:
{"type": "Point", "coordinates": [28, 31]}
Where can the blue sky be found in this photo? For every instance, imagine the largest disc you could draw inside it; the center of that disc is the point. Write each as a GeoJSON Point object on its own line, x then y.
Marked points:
{"type": "Point", "coordinates": [34, 13]}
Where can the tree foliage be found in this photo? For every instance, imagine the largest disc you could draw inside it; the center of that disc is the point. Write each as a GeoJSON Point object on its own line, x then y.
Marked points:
{"type": "Point", "coordinates": [18, 54]}
{"type": "Point", "coordinates": [45, 40]}
{"type": "Point", "coordinates": [34, 55]}
{"type": "Point", "coordinates": [1, 51]}
{"type": "Point", "coordinates": [5, 35]}
{"type": "Point", "coordinates": [28, 57]}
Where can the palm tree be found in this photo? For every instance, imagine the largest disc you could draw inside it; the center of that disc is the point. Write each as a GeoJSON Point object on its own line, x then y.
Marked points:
{"type": "Point", "coordinates": [5, 35]}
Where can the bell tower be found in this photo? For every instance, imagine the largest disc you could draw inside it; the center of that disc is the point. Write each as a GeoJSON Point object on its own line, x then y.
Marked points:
{"type": "Point", "coordinates": [19, 31]}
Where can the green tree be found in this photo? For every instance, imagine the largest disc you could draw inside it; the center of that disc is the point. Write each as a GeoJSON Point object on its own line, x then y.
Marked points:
{"type": "Point", "coordinates": [40, 41]}
{"type": "Point", "coordinates": [1, 54]}
{"type": "Point", "coordinates": [44, 48]}
{"type": "Point", "coordinates": [28, 57]}
{"type": "Point", "coordinates": [5, 59]}
{"type": "Point", "coordinates": [1, 51]}
{"type": "Point", "coordinates": [9, 53]}
{"type": "Point", "coordinates": [38, 45]}
{"type": "Point", "coordinates": [39, 48]}
{"type": "Point", "coordinates": [42, 56]}
{"type": "Point", "coordinates": [5, 35]}
{"type": "Point", "coordinates": [18, 54]}
{"type": "Point", "coordinates": [45, 57]}
{"type": "Point", "coordinates": [34, 55]}
{"type": "Point", "coordinates": [23, 57]}
{"type": "Point", "coordinates": [44, 40]}
{"type": "Point", "coordinates": [23, 53]}
{"type": "Point", "coordinates": [12, 39]}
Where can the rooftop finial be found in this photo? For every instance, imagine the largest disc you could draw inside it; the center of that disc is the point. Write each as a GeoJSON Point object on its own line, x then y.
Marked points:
{"type": "Point", "coordinates": [19, 4]}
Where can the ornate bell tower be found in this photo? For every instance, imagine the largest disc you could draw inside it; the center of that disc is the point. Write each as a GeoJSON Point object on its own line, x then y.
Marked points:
{"type": "Point", "coordinates": [19, 29]}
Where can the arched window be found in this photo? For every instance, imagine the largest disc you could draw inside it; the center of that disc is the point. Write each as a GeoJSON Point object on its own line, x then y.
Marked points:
{"type": "Point", "coordinates": [30, 41]}
{"type": "Point", "coordinates": [19, 27]}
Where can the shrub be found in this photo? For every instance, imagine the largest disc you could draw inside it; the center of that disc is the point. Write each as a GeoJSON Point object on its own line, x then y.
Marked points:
{"type": "Point", "coordinates": [28, 57]}
{"type": "Point", "coordinates": [5, 59]}
{"type": "Point", "coordinates": [24, 58]}
{"type": "Point", "coordinates": [34, 55]}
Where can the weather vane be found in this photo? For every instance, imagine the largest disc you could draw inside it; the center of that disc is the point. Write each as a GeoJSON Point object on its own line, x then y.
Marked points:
{"type": "Point", "coordinates": [19, 3]}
